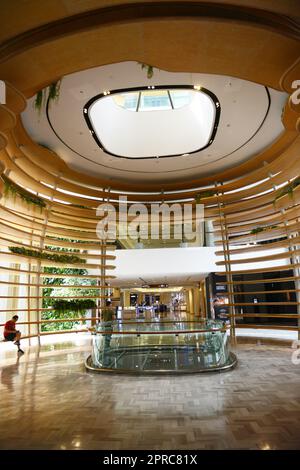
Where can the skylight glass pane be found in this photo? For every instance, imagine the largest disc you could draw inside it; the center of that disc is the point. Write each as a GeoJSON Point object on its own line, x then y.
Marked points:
{"type": "Point", "coordinates": [181, 98]}
{"type": "Point", "coordinates": [154, 100]}
{"type": "Point", "coordinates": [127, 100]}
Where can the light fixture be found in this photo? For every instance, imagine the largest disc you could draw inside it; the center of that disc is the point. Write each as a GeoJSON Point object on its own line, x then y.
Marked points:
{"type": "Point", "coordinates": [197, 87]}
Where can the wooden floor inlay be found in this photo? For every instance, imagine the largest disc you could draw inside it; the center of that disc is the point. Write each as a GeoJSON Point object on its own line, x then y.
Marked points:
{"type": "Point", "coordinates": [49, 401]}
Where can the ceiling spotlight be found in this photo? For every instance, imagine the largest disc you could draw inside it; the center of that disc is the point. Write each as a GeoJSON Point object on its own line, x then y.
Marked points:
{"type": "Point", "coordinates": [185, 154]}
{"type": "Point", "coordinates": [197, 87]}
{"type": "Point", "coordinates": [85, 110]}
{"type": "Point", "coordinates": [106, 93]}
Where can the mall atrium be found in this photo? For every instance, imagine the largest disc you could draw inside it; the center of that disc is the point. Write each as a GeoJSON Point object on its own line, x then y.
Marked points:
{"type": "Point", "coordinates": [149, 224]}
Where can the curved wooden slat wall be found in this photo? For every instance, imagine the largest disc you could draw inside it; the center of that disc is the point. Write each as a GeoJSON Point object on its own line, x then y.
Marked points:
{"type": "Point", "coordinates": [245, 195]}
{"type": "Point", "coordinates": [240, 246]}
{"type": "Point", "coordinates": [33, 228]}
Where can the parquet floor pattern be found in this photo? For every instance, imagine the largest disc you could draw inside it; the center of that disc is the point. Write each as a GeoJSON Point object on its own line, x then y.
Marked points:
{"type": "Point", "coordinates": [49, 401]}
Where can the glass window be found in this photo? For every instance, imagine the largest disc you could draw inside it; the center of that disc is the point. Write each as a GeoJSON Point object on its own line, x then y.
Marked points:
{"type": "Point", "coordinates": [154, 100]}
{"type": "Point", "coordinates": [181, 98]}
{"type": "Point", "coordinates": [127, 100]}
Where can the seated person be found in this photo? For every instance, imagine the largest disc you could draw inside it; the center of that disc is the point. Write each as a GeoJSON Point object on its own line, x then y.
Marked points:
{"type": "Point", "coordinates": [11, 334]}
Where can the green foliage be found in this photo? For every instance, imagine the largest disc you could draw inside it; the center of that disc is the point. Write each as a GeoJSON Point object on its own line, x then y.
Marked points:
{"type": "Point", "coordinates": [288, 189]}
{"type": "Point", "coordinates": [257, 230]}
{"type": "Point", "coordinates": [57, 281]}
{"type": "Point", "coordinates": [54, 90]}
{"type": "Point", "coordinates": [61, 249]}
{"type": "Point", "coordinates": [52, 257]}
{"type": "Point", "coordinates": [262, 229]}
{"type": "Point", "coordinates": [73, 305]}
{"type": "Point", "coordinates": [52, 289]}
{"type": "Point", "coordinates": [38, 103]}
{"type": "Point", "coordinates": [50, 93]}
{"type": "Point", "coordinates": [13, 189]}
{"type": "Point", "coordinates": [58, 326]}
{"type": "Point", "coordinates": [203, 195]}
{"type": "Point", "coordinates": [79, 206]}
{"type": "Point", "coordinates": [149, 69]}
{"type": "Point", "coordinates": [74, 241]}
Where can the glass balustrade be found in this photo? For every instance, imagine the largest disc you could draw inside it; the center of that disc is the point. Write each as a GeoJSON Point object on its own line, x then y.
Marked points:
{"type": "Point", "coordinates": [160, 347]}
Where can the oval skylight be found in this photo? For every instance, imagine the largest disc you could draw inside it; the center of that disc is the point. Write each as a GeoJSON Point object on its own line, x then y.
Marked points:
{"type": "Point", "coordinates": [154, 99]}
{"type": "Point", "coordinates": [153, 122]}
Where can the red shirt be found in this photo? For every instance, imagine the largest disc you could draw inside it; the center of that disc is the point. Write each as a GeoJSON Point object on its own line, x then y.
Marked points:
{"type": "Point", "coordinates": [10, 326]}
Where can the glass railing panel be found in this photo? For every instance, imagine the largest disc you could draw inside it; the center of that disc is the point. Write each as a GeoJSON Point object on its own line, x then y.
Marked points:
{"type": "Point", "coordinates": [169, 346]}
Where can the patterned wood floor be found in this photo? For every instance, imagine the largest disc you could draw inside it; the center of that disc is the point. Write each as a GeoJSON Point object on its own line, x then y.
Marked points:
{"type": "Point", "coordinates": [49, 401]}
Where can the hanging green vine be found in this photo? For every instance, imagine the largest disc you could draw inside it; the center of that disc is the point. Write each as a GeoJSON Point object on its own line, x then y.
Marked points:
{"type": "Point", "coordinates": [288, 189]}
{"type": "Point", "coordinates": [39, 100]}
{"type": "Point", "coordinates": [74, 241]}
{"type": "Point", "coordinates": [50, 93]}
{"type": "Point", "coordinates": [12, 189]}
{"type": "Point", "coordinates": [49, 256]}
{"type": "Point", "coordinates": [262, 229]}
{"type": "Point", "coordinates": [54, 90]}
{"type": "Point", "coordinates": [74, 305]}
{"type": "Point", "coordinates": [203, 195]}
{"type": "Point", "coordinates": [149, 68]}
{"type": "Point", "coordinates": [78, 206]}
